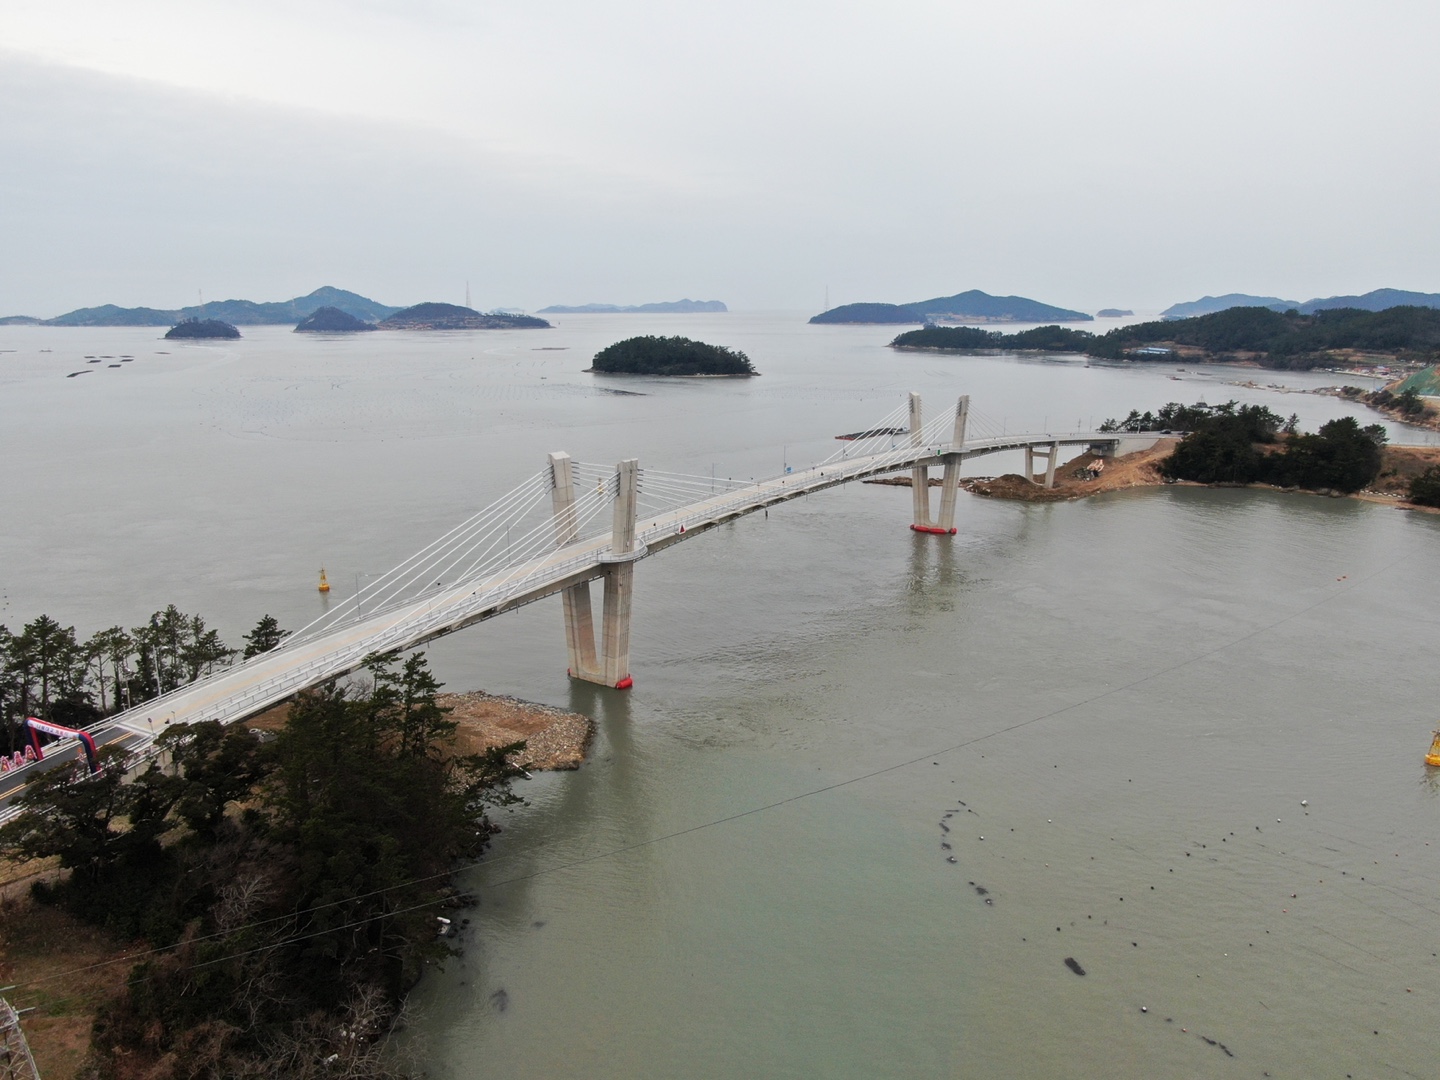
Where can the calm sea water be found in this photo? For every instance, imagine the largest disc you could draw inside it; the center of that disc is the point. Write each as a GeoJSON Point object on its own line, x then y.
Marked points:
{"type": "Point", "coordinates": [1187, 724]}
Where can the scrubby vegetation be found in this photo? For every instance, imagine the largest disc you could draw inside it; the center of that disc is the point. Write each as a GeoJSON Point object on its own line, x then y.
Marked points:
{"type": "Point", "coordinates": [650, 355]}
{"type": "Point", "coordinates": [1247, 444]}
{"type": "Point", "coordinates": [1425, 488]}
{"type": "Point", "coordinates": [287, 891]}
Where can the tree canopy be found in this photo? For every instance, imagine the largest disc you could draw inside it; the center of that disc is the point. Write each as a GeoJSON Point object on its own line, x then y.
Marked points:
{"type": "Point", "coordinates": [287, 888]}
{"type": "Point", "coordinates": [650, 355]}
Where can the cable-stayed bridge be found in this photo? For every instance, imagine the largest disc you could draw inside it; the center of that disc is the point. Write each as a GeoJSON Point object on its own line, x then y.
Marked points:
{"type": "Point", "coordinates": [568, 525]}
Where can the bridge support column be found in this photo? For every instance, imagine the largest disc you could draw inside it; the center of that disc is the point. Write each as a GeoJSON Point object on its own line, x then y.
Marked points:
{"type": "Point", "coordinates": [919, 475]}
{"type": "Point", "coordinates": [619, 581]}
{"type": "Point", "coordinates": [950, 485]}
{"type": "Point", "coordinates": [579, 619]}
{"type": "Point", "coordinates": [612, 665]}
{"type": "Point", "coordinates": [1052, 458]}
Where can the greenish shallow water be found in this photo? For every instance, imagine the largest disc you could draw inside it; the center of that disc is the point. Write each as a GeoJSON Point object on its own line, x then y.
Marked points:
{"type": "Point", "coordinates": [747, 879]}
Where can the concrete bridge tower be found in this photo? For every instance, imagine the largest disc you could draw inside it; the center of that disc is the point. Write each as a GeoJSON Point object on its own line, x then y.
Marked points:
{"type": "Point", "coordinates": [950, 482]}
{"type": "Point", "coordinates": [611, 667]}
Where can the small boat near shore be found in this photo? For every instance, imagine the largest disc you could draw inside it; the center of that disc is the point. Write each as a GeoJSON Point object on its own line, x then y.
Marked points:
{"type": "Point", "coordinates": [1433, 756]}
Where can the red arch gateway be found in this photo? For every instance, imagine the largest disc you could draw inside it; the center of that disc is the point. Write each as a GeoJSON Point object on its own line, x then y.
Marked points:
{"type": "Point", "coordinates": [34, 724]}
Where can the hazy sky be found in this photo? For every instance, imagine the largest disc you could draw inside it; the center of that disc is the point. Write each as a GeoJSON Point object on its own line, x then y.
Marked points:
{"type": "Point", "coordinates": [1108, 153]}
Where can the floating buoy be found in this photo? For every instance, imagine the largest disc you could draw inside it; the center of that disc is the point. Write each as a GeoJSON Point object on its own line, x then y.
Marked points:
{"type": "Point", "coordinates": [324, 585]}
{"type": "Point", "coordinates": [1433, 757]}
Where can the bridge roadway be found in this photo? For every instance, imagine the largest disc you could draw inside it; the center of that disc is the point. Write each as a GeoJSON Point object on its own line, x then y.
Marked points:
{"type": "Point", "coordinates": [273, 677]}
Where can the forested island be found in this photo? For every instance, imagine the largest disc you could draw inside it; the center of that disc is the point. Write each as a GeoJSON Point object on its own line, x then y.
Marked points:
{"type": "Point", "coordinates": [436, 316]}
{"type": "Point", "coordinates": [1253, 335]}
{"type": "Point", "coordinates": [974, 339]}
{"type": "Point", "coordinates": [970, 306]}
{"type": "Point", "coordinates": [1250, 444]}
{"type": "Point", "coordinates": [329, 320]}
{"type": "Point", "coordinates": [678, 356]}
{"type": "Point", "coordinates": [202, 328]}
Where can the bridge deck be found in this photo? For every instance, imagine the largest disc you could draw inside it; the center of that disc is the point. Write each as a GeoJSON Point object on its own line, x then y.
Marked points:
{"type": "Point", "coordinates": [273, 677]}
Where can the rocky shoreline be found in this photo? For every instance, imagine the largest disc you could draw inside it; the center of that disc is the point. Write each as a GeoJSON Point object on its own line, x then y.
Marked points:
{"type": "Point", "coordinates": [1076, 478]}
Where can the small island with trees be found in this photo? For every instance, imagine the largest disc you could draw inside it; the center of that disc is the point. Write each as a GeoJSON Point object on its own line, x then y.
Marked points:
{"type": "Point", "coordinates": [675, 356]}
{"type": "Point", "coordinates": [203, 329]}
{"type": "Point", "coordinates": [331, 320]}
{"type": "Point", "coordinates": [436, 316]}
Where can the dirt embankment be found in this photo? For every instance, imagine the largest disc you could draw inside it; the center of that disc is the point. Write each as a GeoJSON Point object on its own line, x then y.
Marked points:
{"type": "Point", "coordinates": [554, 738]}
{"type": "Point", "coordinates": [1075, 479]}
{"type": "Point", "coordinates": [62, 969]}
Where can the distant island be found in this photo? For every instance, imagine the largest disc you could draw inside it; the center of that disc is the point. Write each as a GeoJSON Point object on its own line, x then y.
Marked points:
{"type": "Point", "coordinates": [235, 312]}
{"type": "Point", "coordinates": [678, 356]}
{"type": "Point", "coordinates": [329, 320]}
{"type": "Point", "coordinates": [1248, 335]}
{"type": "Point", "coordinates": [435, 316]}
{"type": "Point", "coordinates": [971, 306]}
{"type": "Point", "coordinates": [202, 328]}
{"type": "Point", "coordinates": [19, 320]}
{"type": "Point", "coordinates": [973, 339]}
{"type": "Point", "coordinates": [669, 307]}
{"type": "Point", "coordinates": [1375, 300]}
{"type": "Point", "coordinates": [1113, 313]}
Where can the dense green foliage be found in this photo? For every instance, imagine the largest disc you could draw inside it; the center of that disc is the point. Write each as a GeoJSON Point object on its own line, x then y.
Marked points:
{"type": "Point", "coordinates": [1407, 403]}
{"type": "Point", "coordinates": [46, 671]}
{"type": "Point", "coordinates": [277, 926]}
{"type": "Point", "coordinates": [202, 328]}
{"type": "Point", "coordinates": [1286, 339]}
{"type": "Point", "coordinates": [1425, 488]}
{"type": "Point", "coordinates": [1227, 444]}
{"type": "Point", "coordinates": [972, 339]}
{"type": "Point", "coordinates": [650, 355]}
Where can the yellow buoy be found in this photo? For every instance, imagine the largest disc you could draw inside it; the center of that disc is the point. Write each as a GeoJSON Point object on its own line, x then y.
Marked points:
{"type": "Point", "coordinates": [1433, 757]}
{"type": "Point", "coordinates": [324, 585]}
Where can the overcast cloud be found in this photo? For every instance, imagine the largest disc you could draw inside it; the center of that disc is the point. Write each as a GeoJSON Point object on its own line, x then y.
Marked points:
{"type": "Point", "coordinates": [1111, 153]}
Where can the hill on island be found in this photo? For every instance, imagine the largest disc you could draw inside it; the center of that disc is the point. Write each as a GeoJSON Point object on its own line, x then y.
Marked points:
{"type": "Point", "coordinates": [436, 316]}
{"type": "Point", "coordinates": [329, 320]}
{"type": "Point", "coordinates": [668, 307]}
{"type": "Point", "coordinates": [202, 328]}
{"type": "Point", "coordinates": [1274, 339]}
{"type": "Point", "coordinates": [1375, 300]}
{"type": "Point", "coordinates": [236, 312]}
{"type": "Point", "coordinates": [19, 320]}
{"type": "Point", "coordinates": [971, 306]}
{"type": "Point", "coordinates": [1286, 340]}
{"type": "Point", "coordinates": [650, 355]}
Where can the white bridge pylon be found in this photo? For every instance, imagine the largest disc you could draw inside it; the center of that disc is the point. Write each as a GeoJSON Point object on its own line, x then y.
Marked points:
{"type": "Point", "coordinates": [549, 536]}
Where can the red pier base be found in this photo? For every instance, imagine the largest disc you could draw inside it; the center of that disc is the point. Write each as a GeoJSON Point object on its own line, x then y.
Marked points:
{"type": "Point", "coordinates": [934, 529]}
